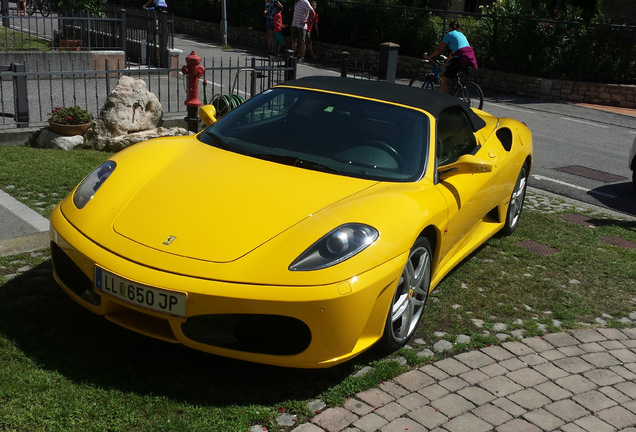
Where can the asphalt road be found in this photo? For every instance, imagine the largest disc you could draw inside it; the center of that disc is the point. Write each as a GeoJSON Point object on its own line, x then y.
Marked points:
{"type": "Point", "coordinates": [580, 152]}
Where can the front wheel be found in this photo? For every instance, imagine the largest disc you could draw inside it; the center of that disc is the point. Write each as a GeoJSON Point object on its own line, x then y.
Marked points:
{"type": "Point", "coordinates": [30, 7]}
{"type": "Point", "coordinates": [516, 202]}
{"type": "Point", "coordinates": [409, 297]}
{"type": "Point", "coordinates": [472, 94]}
{"type": "Point", "coordinates": [45, 8]}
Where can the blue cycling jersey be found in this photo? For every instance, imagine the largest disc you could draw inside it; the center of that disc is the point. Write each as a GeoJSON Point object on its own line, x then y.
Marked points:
{"type": "Point", "coordinates": [456, 40]}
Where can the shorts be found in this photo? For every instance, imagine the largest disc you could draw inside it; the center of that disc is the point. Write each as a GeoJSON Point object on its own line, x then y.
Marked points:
{"type": "Point", "coordinates": [308, 37]}
{"type": "Point", "coordinates": [453, 68]}
{"type": "Point", "coordinates": [278, 38]}
{"type": "Point", "coordinates": [298, 33]}
{"type": "Point", "coordinates": [269, 23]}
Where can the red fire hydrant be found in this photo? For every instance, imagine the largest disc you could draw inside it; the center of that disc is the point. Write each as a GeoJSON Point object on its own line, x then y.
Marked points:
{"type": "Point", "coordinates": [194, 71]}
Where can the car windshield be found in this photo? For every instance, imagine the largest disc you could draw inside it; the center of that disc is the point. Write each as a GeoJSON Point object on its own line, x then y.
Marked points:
{"type": "Point", "coordinates": [322, 131]}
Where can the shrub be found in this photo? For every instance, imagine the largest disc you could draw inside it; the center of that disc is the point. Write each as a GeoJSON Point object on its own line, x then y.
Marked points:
{"type": "Point", "coordinates": [70, 115]}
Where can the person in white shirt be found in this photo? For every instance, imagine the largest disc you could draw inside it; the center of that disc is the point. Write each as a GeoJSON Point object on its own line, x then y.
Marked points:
{"type": "Point", "coordinates": [303, 12]}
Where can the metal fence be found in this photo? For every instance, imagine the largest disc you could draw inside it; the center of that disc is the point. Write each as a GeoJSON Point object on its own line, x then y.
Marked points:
{"type": "Point", "coordinates": [149, 33]}
{"type": "Point", "coordinates": [28, 96]}
{"type": "Point", "coordinates": [353, 67]}
{"type": "Point", "coordinates": [144, 36]}
{"type": "Point", "coordinates": [511, 40]}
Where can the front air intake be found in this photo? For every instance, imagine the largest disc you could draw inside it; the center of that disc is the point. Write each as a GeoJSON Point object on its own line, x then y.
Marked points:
{"type": "Point", "coordinates": [254, 333]}
{"type": "Point", "coordinates": [72, 276]}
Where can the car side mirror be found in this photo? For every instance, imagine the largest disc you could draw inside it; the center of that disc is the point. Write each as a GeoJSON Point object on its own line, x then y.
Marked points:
{"type": "Point", "coordinates": [465, 164]}
{"type": "Point", "coordinates": [207, 114]}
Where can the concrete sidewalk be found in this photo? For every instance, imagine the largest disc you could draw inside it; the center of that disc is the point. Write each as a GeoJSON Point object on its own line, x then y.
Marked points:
{"type": "Point", "coordinates": [21, 229]}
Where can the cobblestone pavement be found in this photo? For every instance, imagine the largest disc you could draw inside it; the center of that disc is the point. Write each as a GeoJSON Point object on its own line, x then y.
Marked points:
{"type": "Point", "coordinates": [579, 381]}
{"type": "Point", "coordinates": [575, 381]}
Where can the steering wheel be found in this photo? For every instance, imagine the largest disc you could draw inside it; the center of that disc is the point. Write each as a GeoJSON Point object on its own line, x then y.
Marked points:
{"type": "Point", "coordinates": [387, 148]}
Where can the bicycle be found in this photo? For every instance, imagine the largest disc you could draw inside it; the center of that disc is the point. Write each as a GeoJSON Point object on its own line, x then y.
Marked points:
{"type": "Point", "coordinates": [468, 91]}
{"type": "Point", "coordinates": [43, 5]}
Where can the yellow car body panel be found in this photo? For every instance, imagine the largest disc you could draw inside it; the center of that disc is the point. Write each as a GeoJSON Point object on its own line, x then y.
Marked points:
{"type": "Point", "coordinates": [343, 312]}
{"type": "Point", "coordinates": [220, 230]}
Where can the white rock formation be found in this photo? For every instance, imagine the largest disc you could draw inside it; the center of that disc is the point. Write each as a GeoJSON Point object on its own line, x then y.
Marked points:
{"type": "Point", "coordinates": [131, 114]}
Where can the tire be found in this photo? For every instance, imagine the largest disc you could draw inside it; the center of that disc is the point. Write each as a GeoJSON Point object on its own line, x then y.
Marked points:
{"type": "Point", "coordinates": [423, 82]}
{"type": "Point", "coordinates": [516, 202]}
{"type": "Point", "coordinates": [45, 8]}
{"type": "Point", "coordinates": [30, 9]}
{"type": "Point", "coordinates": [472, 94]}
{"type": "Point", "coordinates": [409, 298]}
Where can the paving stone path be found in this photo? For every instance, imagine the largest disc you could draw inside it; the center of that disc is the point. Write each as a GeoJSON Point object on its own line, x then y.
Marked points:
{"type": "Point", "coordinates": [576, 381]}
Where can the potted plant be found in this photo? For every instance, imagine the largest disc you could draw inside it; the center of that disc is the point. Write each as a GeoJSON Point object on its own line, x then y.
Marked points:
{"type": "Point", "coordinates": [69, 120]}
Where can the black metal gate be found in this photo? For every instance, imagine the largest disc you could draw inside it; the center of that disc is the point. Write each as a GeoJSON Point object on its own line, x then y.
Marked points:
{"type": "Point", "coordinates": [14, 103]}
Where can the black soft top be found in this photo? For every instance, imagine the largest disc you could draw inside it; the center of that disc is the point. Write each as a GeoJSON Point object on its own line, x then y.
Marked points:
{"type": "Point", "coordinates": [430, 101]}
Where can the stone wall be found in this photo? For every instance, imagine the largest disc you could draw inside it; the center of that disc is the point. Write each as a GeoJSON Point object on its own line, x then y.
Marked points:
{"type": "Point", "coordinates": [62, 60]}
{"type": "Point", "coordinates": [558, 90]}
{"type": "Point", "coordinates": [494, 81]}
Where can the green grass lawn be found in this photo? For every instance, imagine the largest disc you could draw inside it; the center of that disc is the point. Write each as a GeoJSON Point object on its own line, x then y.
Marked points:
{"type": "Point", "coordinates": [11, 40]}
{"type": "Point", "coordinates": [65, 369]}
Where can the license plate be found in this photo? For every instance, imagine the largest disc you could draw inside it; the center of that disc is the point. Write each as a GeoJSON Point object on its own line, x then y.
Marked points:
{"type": "Point", "coordinates": [155, 299]}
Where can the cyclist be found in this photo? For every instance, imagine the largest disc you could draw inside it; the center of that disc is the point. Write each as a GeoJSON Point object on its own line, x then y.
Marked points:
{"type": "Point", "coordinates": [462, 52]}
{"type": "Point", "coordinates": [159, 5]}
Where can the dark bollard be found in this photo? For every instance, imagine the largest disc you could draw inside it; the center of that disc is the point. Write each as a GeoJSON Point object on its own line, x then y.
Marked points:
{"type": "Point", "coordinates": [345, 64]}
{"type": "Point", "coordinates": [388, 61]}
{"type": "Point", "coordinates": [291, 64]}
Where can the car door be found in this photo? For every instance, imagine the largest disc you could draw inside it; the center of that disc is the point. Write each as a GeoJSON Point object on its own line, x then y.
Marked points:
{"type": "Point", "coordinates": [470, 196]}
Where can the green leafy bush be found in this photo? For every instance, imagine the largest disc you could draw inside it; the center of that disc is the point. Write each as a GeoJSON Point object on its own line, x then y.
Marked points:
{"type": "Point", "coordinates": [553, 39]}
{"type": "Point", "coordinates": [512, 37]}
{"type": "Point", "coordinates": [70, 115]}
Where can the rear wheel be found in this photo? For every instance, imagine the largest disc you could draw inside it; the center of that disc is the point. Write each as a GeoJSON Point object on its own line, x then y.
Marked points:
{"type": "Point", "coordinates": [516, 202]}
{"type": "Point", "coordinates": [30, 8]}
{"type": "Point", "coordinates": [45, 8]}
{"type": "Point", "coordinates": [409, 297]}
{"type": "Point", "coordinates": [472, 94]}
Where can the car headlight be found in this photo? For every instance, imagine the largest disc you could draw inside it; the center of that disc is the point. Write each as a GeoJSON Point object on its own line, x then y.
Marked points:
{"type": "Point", "coordinates": [339, 245]}
{"type": "Point", "coordinates": [92, 183]}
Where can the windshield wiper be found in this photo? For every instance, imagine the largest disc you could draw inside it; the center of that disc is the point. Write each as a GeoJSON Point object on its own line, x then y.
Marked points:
{"type": "Point", "coordinates": [220, 142]}
{"type": "Point", "coordinates": [297, 162]}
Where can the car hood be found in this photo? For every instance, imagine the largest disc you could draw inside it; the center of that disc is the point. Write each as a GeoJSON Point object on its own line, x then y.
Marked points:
{"type": "Point", "coordinates": [217, 206]}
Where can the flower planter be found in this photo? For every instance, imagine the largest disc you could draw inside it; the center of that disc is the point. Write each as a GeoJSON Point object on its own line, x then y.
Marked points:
{"type": "Point", "coordinates": [70, 44]}
{"type": "Point", "coordinates": [69, 130]}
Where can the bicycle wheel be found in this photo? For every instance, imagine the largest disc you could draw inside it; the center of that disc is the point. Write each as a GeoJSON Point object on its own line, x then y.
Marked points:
{"type": "Point", "coordinates": [45, 8]}
{"type": "Point", "coordinates": [30, 8]}
{"type": "Point", "coordinates": [472, 94]}
{"type": "Point", "coordinates": [423, 82]}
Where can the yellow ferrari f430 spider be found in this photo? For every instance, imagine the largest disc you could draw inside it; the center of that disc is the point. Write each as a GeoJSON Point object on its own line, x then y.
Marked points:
{"type": "Point", "coordinates": [301, 228]}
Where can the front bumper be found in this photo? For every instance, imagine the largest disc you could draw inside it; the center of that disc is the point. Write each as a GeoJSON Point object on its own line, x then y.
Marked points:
{"type": "Point", "coordinates": [293, 326]}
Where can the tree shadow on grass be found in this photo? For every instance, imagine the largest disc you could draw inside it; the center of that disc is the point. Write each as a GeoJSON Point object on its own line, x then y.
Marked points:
{"type": "Point", "coordinates": [58, 334]}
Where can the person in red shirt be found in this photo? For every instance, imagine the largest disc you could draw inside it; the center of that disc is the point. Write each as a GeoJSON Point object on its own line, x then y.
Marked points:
{"type": "Point", "coordinates": [278, 28]}
{"type": "Point", "coordinates": [312, 23]}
